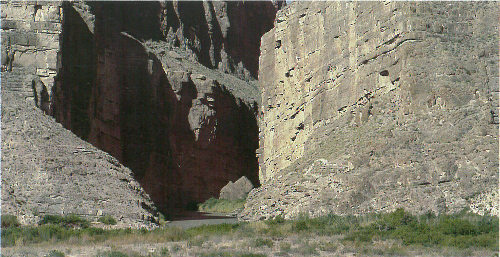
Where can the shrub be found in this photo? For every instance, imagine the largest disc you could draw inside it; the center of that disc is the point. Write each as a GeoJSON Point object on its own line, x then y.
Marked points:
{"type": "Point", "coordinates": [9, 221]}
{"type": "Point", "coordinates": [175, 248]}
{"type": "Point", "coordinates": [112, 254]}
{"type": "Point", "coordinates": [259, 242]}
{"type": "Point", "coordinates": [55, 253]}
{"type": "Point", "coordinates": [394, 219]}
{"type": "Point", "coordinates": [461, 230]}
{"type": "Point", "coordinates": [164, 252]}
{"type": "Point", "coordinates": [162, 219]}
{"type": "Point", "coordinates": [308, 249]}
{"type": "Point", "coordinates": [252, 255]}
{"type": "Point", "coordinates": [107, 219]}
{"type": "Point", "coordinates": [69, 221]}
{"type": "Point", "coordinates": [285, 247]}
{"type": "Point", "coordinates": [276, 220]}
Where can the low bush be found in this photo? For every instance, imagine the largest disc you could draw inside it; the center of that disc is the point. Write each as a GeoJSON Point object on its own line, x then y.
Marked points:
{"type": "Point", "coordinates": [55, 253]}
{"type": "Point", "coordinates": [259, 242]}
{"type": "Point", "coordinates": [9, 221]}
{"type": "Point", "coordinates": [112, 254]}
{"type": "Point", "coordinates": [229, 254]}
{"type": "Point", "coordinates": [107, 219]}
{"type": "Point", "coordinates": [69, 221]}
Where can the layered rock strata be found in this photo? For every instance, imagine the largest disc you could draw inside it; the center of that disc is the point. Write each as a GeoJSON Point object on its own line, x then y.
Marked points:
{"type": "Point", "coordinates": [46, 169]}
{"type": "Point", "coordinates": [374, 106]}
{"type": "Point", "coordinates": [31, 30]}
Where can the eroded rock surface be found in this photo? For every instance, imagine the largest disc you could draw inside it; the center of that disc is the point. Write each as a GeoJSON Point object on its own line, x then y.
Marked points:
{"type": "Point", "coordinates": [30, 30]}
{"type": "Point", "coordinates": [46, 169]}
{"type": "Point", "coordinates": [223, 35]}
{"type": "Point", "coordinates": [374, 106]}
{"type": "Point", "coordinates": [237, 190]}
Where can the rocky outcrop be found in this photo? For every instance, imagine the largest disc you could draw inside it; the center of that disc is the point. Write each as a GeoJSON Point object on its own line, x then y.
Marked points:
{"type": "Point", "coordinates": [374, 106]}
{"type": "Point", "coordinates": [237, 190]}
{"type": "Point", "coordinates": [218, 34]}
{"type": "Point", "coordinates": [30, 32]}
{"type": "Point", "coordinates": [46, 169]}
{"type": "Point", "coordinates": [151, 90]}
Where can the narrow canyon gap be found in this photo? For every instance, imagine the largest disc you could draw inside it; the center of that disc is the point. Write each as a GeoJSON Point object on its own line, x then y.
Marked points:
{"type": "Point", "coordinates": [168, 88]}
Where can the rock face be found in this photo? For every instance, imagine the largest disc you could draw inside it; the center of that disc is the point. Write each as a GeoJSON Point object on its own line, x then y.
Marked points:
{"type": "Point", "coordinates": [375, 106]}
{"type": "Point", "coordinates": [151, 87]}
{"type": "Point", "coordinates": [30, 30]}
{"type": "Point", "coordinates": [46, 169]}
{"type": "Point", "coordinates": [220, 35]}
{"type": "Point", "coordinates": [236, 190]}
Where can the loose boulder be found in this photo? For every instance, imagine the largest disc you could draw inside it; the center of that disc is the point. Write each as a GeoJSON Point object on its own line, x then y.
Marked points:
{"type": "Point", "coordinates": [236, 190]}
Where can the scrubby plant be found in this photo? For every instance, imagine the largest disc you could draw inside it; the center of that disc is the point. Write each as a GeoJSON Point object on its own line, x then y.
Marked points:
{"type": "Point", "coordinates": [69, 221]}
{"type": "Point", "coordinates": [9, 221]}
{"type": "Point", "coordinates": [107, 219]}
{"type": "Point", "coordinates": [308, 249]}
{"type": "Point", "coordinates": [112, 254]}
{"type": "Point", "coordinates": [259, 242]}
{"type": "Point", "coordinates": [55, 253]}
{"type": "Point", "coordinates": [164, 252]}
{"type": "Point", "coordinates": [285, 247]}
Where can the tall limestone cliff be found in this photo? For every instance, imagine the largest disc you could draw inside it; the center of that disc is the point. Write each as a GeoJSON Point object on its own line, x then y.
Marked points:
{"type": "Point", "coordinates": [371, 106]}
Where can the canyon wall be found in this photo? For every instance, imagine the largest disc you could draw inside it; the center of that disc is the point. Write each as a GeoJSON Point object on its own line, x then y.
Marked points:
{"type": "Point", "coordinates": [165, 87]}
{"type": "Point", "coordinates": [47, 170]}
{"type": "Point", "coordinates": [374, 106]}
{"type": "Point", "coordinates": [30, 31]}
{"type": "Point", "coordinates": [220, 35]}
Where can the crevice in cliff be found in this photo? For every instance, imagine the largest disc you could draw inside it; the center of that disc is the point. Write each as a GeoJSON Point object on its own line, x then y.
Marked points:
{"type": "Point", "coordinates": [76, 74]}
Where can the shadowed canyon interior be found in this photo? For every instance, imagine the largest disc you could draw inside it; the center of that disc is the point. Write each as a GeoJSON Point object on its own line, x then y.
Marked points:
{"type": "Point", "coordinates": [184, 137]}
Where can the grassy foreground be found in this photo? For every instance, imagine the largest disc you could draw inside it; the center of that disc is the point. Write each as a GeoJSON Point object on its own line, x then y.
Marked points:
{"type": "Point", "coordinates": [463, 231]}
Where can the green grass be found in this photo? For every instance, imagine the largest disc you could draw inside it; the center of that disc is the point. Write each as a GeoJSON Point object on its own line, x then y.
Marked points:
{"type": "Point", "coordinates": [221, 205]}
{"type": "Point", "coordinates": [459, 231]}
{"type": "Point", "coordinates": [56, 233]}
